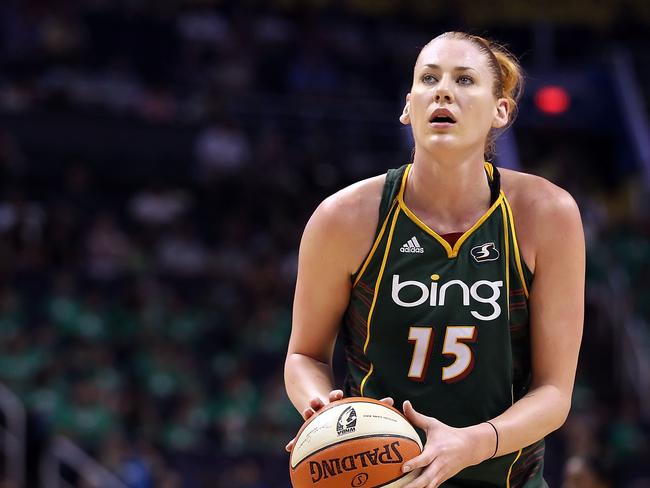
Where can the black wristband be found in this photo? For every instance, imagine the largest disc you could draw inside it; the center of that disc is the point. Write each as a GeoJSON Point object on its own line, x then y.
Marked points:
{"type": "Point", "coordinates": [496, 448]}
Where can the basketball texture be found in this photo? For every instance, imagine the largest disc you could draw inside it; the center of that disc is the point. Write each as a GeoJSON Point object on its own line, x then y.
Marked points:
{"type": "Point", "coordinates": [355, 442]}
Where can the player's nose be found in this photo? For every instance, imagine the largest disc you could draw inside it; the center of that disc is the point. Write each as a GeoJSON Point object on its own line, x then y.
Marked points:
{"type": "Point", "coordinates": [443, 95]}
{"type": "Point", "coordinates": [442, 91]}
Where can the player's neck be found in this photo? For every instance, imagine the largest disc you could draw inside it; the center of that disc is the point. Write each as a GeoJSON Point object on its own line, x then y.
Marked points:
{"type": "Point", "coordinates": [450, 193]}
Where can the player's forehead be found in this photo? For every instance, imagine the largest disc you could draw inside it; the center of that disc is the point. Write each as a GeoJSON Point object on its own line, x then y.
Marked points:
{"type": "Point", "coordinates": [450, 53]}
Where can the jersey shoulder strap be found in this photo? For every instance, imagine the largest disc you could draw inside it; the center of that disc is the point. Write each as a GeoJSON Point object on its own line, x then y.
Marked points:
{"type": "Point", "coordinates": [392, 186]}
{"type": "Point", "coordinates": [494, 181]}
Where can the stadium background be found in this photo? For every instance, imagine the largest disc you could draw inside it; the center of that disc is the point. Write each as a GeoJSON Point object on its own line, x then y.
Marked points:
{"type": "Point", "coordinates": [158, 161]}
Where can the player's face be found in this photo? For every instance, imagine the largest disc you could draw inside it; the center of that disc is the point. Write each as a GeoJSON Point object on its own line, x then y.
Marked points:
{"type": "Point", "coordinates": [452, 105]}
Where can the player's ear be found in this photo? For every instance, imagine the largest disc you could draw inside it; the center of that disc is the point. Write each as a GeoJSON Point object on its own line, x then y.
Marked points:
{"type": "Point", "coordinates": [501, 116]}
{"type": "Point", "coordinates": [405, 118]}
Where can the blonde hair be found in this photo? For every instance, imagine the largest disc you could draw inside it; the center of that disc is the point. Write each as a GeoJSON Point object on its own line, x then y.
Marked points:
{"type": "Point", "coordinates": [508, 78]}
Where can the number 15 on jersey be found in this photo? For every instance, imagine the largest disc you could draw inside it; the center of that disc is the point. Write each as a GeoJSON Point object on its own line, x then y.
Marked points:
{"type": "Point", "coordinates": [455, 346]}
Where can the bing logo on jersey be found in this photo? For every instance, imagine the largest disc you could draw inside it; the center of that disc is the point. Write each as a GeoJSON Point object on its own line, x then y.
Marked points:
{"type": "Point", "coordinates": [436, 294]}
{"type": "Point", "coordinates": [485, 252]}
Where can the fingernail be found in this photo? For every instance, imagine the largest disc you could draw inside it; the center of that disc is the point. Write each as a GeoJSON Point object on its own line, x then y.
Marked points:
{"type": "Point", "coordinates": [406, 468]}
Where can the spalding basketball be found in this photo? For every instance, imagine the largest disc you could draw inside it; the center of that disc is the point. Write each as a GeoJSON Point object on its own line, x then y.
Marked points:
{"type": "Point", "coordinates": [355, 442]}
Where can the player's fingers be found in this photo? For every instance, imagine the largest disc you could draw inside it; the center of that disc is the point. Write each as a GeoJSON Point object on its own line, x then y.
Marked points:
{"type": "Point", "coordinates": [388, 401]}
{"type": "Point", "coordinates": [289, 446]}
{"type": "Point", "coordinates": [336, 395]}
{"type": "Point", "coordinates": [307, 413]}
{"type": "Point", "coordinates": [424, 459]}
{"type": "Point", "coordinates": [316, 404]}
{"type": "Point", "coordinates": [436, 480]}
{"type": "Point", "coordinates": [434, 483]}
{"type": "Point", "coordinates": [414, 417]}
{"type": "Point", "coordinates": [426, 479]}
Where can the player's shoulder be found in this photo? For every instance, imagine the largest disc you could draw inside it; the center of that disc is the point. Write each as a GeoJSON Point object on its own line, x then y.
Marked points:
{"type": "Point", "coordinates": [532, 196]}
{"type": "Point", "coordinates": [545, 215]}
{"type": "Point", "coordinates": [344, 224]}
{"type": "Point", "coordinates": [353, 208]}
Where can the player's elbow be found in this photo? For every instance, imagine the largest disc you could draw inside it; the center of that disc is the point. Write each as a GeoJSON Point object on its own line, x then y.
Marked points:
{"type": "Point", "coordinates": [556, 404]}
{"type": "Point", "coordinates": [562, 403]}
{"type": "Point", "coordinates": [290, 365]}
{"type": "Point", "coordinates": [291, 373]}
{"type": "Point", "coordinates": [300, 367]}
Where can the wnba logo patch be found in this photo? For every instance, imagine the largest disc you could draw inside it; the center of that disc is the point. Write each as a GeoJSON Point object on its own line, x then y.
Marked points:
{"type": "Point", "coordinates": [485, 252]}
{"type": "Point", "coordinates": [347, 421]}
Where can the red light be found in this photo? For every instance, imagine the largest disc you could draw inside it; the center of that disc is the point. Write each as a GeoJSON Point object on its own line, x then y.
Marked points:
{"type": "Point", "coordinates": [552, 100]}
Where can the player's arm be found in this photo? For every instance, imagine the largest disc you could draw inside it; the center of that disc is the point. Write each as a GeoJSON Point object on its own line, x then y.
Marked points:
{"type": "Point", "coordinates": [553, 226]}
{"type": "Point", "coordinates": [321, 295]}
{"type": "Point", "coordinates": [556, 320]}
{"type": "Point", "coordinates": [334, 242]}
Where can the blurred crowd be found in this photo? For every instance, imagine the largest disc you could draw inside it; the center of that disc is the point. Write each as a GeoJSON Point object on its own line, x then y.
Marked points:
{"type": "Point", "coordinates": [160, 319]}
{"type": "Point", "coordinates": [145, 315]}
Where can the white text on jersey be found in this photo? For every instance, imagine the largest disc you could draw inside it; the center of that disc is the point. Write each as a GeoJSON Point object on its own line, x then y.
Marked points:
{"type": "Point", "coordinates": [412, 246]}
{"type": "Point", "coordinates": [436, 294]}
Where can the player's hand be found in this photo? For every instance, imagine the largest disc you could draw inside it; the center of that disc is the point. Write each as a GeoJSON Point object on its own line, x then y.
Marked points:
{"type": "Point", "coordinates": [316, 404]}
{"type": "Point", "coordinates": [448, 450]}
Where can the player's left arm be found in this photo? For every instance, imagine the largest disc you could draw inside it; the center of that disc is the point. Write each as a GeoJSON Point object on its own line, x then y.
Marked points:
{"type": "Point", "coordinates": [556, 306]}
{"type": "Point", "coordinates": [554, 228]}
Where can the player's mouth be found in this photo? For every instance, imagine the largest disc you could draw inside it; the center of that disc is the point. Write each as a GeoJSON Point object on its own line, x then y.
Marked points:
{"type": "Point", "coordinates": [442, 118]}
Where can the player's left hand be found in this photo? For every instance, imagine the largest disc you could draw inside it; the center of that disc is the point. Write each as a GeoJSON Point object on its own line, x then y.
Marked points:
{"type": "Point", "coordinates": [448, 450]}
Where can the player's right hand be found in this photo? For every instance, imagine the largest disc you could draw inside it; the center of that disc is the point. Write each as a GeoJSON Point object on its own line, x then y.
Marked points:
{"type": "Point", "coordinates": [316, 404]}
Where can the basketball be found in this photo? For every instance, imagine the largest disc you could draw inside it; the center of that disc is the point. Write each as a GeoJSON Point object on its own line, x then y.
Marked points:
{"type": "Point", "coordinates": [355, 442]}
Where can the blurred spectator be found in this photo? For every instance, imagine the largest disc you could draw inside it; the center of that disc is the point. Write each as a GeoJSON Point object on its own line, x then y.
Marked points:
{"type": "Point", "coordinates": [117, 86]}
{"type": "Point", "coordinates": [586, 472]}
{"type": "Point", "coordinates": [159, 205]}
{"type": "Point", "coordinates": [21, 221]}
{"type": "Point", "coordinates": [125, 461]}
{"type": "Point", "coordinates": [203, 26]}
{"type": "Point", "coordinates": [107, 249]}
{"type": "Point", "coordinates": [221, 149]}
{"type": "Point", "coordinates": [157, 105]}
{"type": "Point", "coordinates": [182, 253]}
{"type": "Point", "coordinates": [89, 417]}
{"type": "Point", "coordinates": [244, 474]}
{"type": "Point", "coordinates": [11, 315]}
{"type": "Point", "coordinates": [313, 73]}
{"type": "Point", "coordinates": [21, 361]}
{"type": "Point", "coordinates": [12, 159]}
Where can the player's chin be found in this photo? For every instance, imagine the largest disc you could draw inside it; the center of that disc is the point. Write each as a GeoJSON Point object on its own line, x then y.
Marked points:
{"type": "Point", "coordinates": [437, 141]}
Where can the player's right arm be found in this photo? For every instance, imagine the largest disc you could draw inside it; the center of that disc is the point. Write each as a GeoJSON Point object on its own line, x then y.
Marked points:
{"type": "Point", "coordinates": [336, 239]}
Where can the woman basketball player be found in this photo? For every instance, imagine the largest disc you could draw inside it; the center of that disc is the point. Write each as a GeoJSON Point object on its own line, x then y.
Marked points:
{"type": "Point", "coordinates": [458, 288]}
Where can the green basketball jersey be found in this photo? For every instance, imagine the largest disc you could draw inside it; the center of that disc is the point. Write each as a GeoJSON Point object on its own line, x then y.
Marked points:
{"type": "Point", "coordinates": [445, 327]}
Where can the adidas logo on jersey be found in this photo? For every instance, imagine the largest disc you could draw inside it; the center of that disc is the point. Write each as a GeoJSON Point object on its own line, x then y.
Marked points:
{"type": "Point", "coordinates": [412, 246]}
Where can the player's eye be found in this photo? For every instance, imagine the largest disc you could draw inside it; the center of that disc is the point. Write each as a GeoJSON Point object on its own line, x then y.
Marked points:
{"type": "Point", "coordinates": [465, 80]}
{"type": "Point", "coordinates": [429, 79]}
